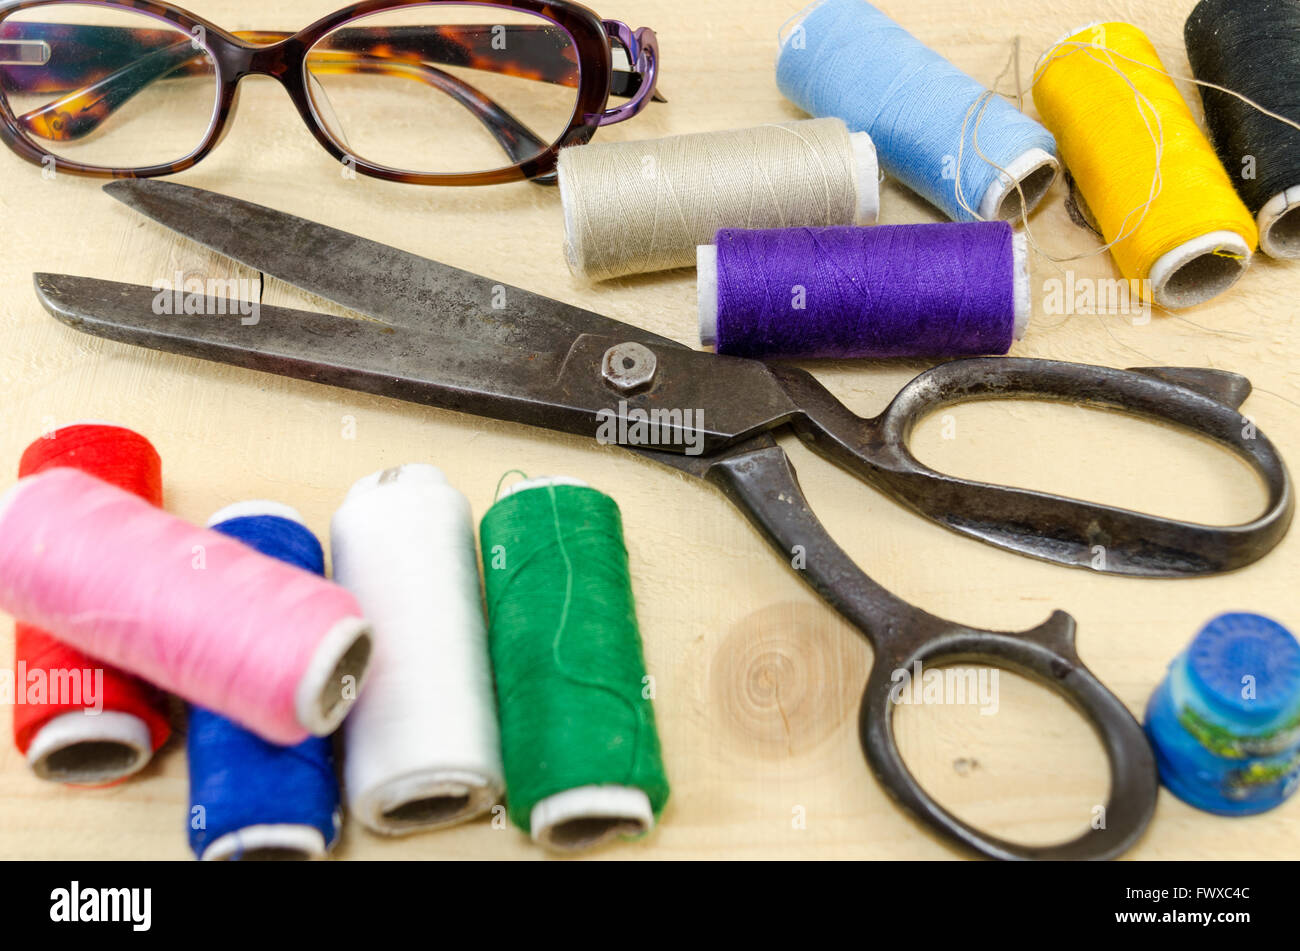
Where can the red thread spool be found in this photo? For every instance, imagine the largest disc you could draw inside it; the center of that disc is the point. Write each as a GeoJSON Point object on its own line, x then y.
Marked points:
{"type": "Point", "coordinates": [60, 738]}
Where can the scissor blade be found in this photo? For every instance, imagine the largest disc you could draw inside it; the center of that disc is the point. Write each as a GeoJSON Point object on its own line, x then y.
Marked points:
{"type": "Point", "coordinates": [322, 348]}
{"type": "Point", "coordinates": [560, 390]}
{"type": "Point", "coordinates": [382, 282]}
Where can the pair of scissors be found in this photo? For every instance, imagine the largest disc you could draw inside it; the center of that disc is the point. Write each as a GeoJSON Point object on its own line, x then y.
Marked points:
{"type": "Point", "coordinates": [445, 337]}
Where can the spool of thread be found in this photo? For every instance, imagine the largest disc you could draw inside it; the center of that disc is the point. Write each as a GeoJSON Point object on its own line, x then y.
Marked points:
{"type": "Point", "coordinates": [422, 746]}
{"type": "Point", "coordinates": [578, 734]}
{"type": "Point", "coordinates": [1253, 48]}
{"type": "Point", "coordinates": [251, 799]}
{"type": "Point", "coordinates": [74, 738]}
{"type": "Point", "coordinates": [890, 291]}
{"type": "Point", "coordinates": [631, 207]}
{"type": "Point", "coordinates": [185, 608]}
{"type": "Point", "coordinates": [965, 150]}
{"type": "Point", "coordinates": [1150, 177]}
{"type": "Point", "coordinates": [1225, 722]}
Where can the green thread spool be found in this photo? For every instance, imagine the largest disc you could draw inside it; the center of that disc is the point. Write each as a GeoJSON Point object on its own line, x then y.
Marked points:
{"type": "Point", "coordinates": [578, 738]}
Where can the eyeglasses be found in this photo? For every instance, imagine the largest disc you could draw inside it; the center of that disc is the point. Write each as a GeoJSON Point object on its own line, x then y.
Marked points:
{"type": "Point", "coordinates": [425, 91]}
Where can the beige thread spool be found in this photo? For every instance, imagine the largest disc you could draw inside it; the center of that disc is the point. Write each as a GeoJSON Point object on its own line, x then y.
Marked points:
{"type": "Point", "coordinates": [633, 207]}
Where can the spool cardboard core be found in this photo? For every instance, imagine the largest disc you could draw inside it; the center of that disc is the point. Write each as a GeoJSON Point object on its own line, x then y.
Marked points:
{"type": "Point", "coordinates": [427, 799]}
{"type": "Point", "coordinates": [1199, 269]}
{"type": "Point", "coordinates": [706, 292]}
{"type": "Point", "coordinates": [587, 816]}
{"type": "Point", "coordinates": [341, 659]}
{"type": "Point", "coordinates": [1020, 280]}
{"type": "Point", "coordinates": [431, 810]}
{"type": "Point", "coordinates": [541, 482]}
{"type": "Point", "coordinates": [1034, 172]}
{"type": "Point", "coordinates": [267, 843]}
{"type": "Point", "coordinates": [867, 178]}
{"type": "Point", "coordinates": [1279, 225]}
{"type": "Point", "coordinates": [90, 749]}
{"type": "Point", "coordinates": [253, 508]}
{"type": "Point", "coordinates": [412, 473]}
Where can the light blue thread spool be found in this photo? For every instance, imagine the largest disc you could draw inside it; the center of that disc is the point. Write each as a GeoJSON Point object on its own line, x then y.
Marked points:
{"type": "Point", "coordinates": [1225, 723]}
{"type": "Point", "coordinates": [845, 58]}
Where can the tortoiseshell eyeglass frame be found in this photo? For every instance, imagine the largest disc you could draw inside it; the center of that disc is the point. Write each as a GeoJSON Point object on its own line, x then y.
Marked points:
{"type": "Point", "coordinates": [413, 52]}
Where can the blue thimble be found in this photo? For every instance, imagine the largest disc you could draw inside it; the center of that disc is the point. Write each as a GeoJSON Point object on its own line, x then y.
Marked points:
{"type": "Point", "coordinates": [1225, 722]}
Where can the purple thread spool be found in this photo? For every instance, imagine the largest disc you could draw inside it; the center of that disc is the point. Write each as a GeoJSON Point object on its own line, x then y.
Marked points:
{"type": "Point", "coordinates": [929, 290]}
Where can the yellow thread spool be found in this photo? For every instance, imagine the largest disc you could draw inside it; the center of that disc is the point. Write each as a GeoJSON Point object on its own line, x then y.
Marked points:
{"type": "Point", "coordinates": [1126, 134]}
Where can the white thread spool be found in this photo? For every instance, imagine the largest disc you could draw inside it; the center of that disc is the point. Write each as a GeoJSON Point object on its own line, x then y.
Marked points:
{"type": "Point", "coordinates": [90, 749]}
{"type": "Point", "coordinates": [286, 840]}
{"type": "Point", "coordinates": [632, 207]}
{"type": "Point", "coordinates": [586, 816]}
{"type": "Point", "coordinates": [422, 747]}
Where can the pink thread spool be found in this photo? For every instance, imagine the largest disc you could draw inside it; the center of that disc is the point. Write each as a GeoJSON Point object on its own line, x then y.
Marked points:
{"type": "Point", "coordinates": [270, 646]}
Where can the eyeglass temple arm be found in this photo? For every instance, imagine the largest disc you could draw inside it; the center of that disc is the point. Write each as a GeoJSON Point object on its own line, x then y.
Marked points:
{"type": "Point", "coordinates": [81, 111]}
{"type": "Point", "coordinates": [85, 105]}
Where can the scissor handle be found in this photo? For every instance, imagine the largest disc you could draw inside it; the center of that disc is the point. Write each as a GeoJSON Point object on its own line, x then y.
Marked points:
{"type": "Point", "coordinates": [1056, 528]}
{"type": "Point", "coordinates": [1046, 655]}
{"type": "Point", "coordinates": [758, 477]}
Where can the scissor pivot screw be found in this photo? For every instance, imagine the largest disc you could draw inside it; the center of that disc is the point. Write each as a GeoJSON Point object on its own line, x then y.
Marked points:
{"type": "Point", "coordinates": [628, 367]}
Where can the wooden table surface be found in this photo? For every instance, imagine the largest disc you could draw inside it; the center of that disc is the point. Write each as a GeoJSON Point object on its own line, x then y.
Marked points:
{"type": "Point", "coordinates": [757, 680]}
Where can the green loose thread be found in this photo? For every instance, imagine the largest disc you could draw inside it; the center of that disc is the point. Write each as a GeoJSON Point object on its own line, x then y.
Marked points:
{"type": "Point", "coordinates": [566, 649]}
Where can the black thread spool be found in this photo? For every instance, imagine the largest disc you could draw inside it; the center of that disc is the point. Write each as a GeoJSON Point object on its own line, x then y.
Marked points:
{"type": "Point", "coordinates": [1253, 48]}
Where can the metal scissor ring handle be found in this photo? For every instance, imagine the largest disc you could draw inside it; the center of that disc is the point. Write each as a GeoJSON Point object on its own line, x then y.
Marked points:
{"type": "Point", "coordinates": [1044, 655]}
{"type": "Point", "coordinates": [1040, 524]}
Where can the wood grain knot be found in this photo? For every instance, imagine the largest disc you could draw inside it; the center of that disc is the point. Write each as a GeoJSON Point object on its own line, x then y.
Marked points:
{"type": "Point", "coordinates": [786, 677]}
